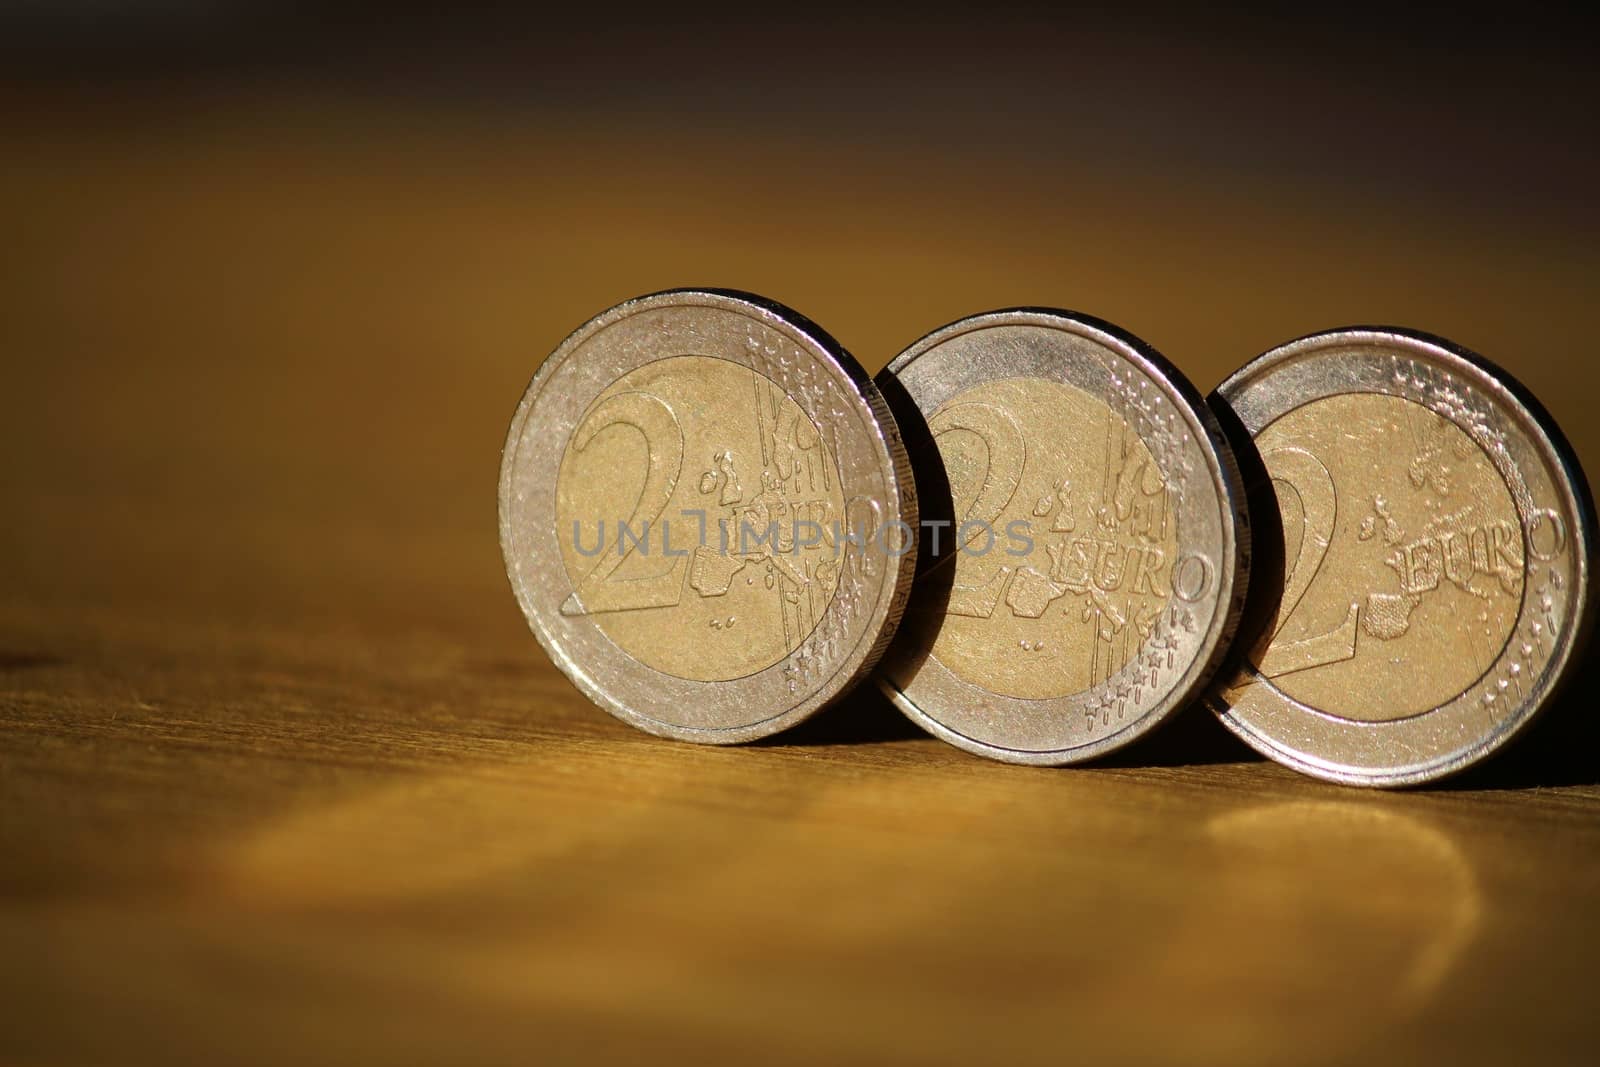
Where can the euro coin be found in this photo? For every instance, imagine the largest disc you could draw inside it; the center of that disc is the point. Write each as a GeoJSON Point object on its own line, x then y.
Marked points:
{"type": "Point", "coordinates": [1436, 539]}
{"type": "Point", "coordinates": [707, 515]}
{"type": "Point", "coordinates": [1085, 540]}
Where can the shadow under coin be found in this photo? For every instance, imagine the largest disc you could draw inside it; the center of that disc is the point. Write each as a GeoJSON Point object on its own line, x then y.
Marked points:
{"type": "Point", "coordinates": [862, 716]}
{"type": "Point", "coordinates": [1192, 737]}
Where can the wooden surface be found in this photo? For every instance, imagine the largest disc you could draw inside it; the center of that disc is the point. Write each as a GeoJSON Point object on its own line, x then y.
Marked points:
{"type": "Point", "coordinates": [284, 778]}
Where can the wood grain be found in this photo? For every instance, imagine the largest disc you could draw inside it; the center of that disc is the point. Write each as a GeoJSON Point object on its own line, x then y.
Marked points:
{"type": "Point", "coordinates": [283, 777]}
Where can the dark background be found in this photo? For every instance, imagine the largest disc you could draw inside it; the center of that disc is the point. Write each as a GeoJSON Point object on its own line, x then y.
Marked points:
{"type": "Point", "coordinates": [1398, 106]}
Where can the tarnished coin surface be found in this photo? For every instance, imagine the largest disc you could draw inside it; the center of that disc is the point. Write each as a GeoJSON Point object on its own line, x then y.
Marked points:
{"type": "Point", "coordinates": [1094, 546]}
{"type": "Point", "coordinates": [707, 515]}
{"type": "Point", "coordinates": [1436, 545]}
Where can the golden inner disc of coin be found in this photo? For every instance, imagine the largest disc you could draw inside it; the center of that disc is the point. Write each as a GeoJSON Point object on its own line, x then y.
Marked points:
{"type": "Point", "coordinates": [698, 513]}
{"type": "Point", "coordinates": [1403, 558]}
{"type": "Point", "coordinates": [1068, 538]}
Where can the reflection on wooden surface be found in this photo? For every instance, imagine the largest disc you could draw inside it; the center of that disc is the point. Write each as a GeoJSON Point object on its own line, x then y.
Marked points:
{"type": "Point", "coordinates": [284, 777]}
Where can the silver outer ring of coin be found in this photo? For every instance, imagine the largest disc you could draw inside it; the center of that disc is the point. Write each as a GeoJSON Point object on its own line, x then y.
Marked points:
{"type": "Point", "coordinates": [838, 396]}
{"type": "Point", "coordinates": [1217, 473]}
{"type": "Point", "coordinates": [1455, 384]}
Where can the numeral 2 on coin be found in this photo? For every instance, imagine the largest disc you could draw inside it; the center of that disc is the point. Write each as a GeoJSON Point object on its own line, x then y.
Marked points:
{"type": "Point", "coordinates": [1297, 471]}
{"type": "Point", "coordinates": [651, 416]}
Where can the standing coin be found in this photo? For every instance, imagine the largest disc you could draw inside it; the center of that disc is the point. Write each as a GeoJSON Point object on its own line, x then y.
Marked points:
{"type": "Point", "coordinates": [1095, 562]}
{"type": "Point", "coordinates": [1437, 537]}
{"type": "Point", "coordinates": [706, 512]}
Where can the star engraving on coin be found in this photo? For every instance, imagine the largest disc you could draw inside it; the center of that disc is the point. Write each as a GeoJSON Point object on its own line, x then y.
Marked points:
{"type": "Point", "coordinates": [694, 499]}
{"type": "Point", "coordinates": [1094, 564]}
{"type": "Point", "coordinates": [1436, 537]}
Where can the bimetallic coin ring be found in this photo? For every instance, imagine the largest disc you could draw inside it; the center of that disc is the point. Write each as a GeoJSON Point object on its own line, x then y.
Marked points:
{"type": "Point", "coordinates": [1437, 547]}
{"type": "Point", "coordinates": [1096, 562]}
{"type": "Point", "coordinates": [707, 515]}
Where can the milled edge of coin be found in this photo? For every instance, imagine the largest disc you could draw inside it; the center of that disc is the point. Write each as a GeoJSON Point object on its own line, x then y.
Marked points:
{"type": "Point", "coordinates": [1545, 435]}
{"type": "Point", "coordinates": [1233, 571]}
{"type": "Point", "coordinates": [892, 460]}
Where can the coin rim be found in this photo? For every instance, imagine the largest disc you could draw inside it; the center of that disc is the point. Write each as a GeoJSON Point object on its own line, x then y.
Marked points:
{"type": "Point", "coordinates": [1233, 569]}
{"type": "Point", "coordinates": [892, 464]}
{"type": "Point", "coordinates": [1547, 438]}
